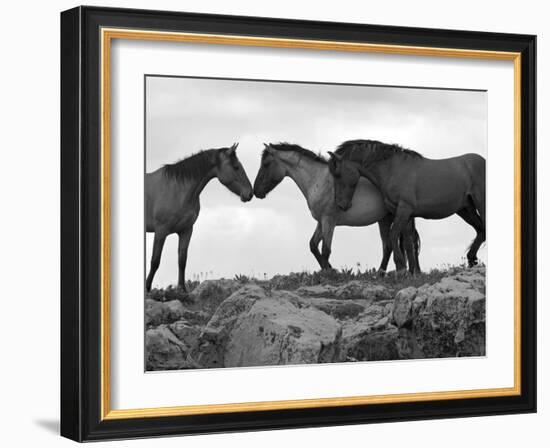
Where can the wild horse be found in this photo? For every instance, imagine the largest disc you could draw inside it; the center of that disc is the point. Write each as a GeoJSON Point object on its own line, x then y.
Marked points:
{"type": "Point", "coordinates": [310, 173]}
{"type": "Point", "coordinates": [172, 198]}
{"type": "Point", "coordinates": [413, 186]}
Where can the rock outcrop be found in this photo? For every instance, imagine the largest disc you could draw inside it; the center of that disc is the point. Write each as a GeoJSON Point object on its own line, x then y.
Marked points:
{"type": "Point", "coordinates": [227, 324]}
{"type": "Point", "coordinates": [254, 328]}
{"type": "Point", "coordinates": [446, 319]}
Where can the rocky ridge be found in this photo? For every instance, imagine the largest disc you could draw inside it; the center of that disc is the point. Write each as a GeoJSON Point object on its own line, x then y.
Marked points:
{"type": "Point", "coordinates": [225, 323]}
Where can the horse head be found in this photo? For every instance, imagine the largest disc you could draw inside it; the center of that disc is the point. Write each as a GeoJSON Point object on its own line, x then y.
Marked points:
{"type": "Point", "coordinates": [231, 173]}
{"type": "Point", "coordinates": [270, 174]}
{"type": "Point", "coordinates": [346, 175]}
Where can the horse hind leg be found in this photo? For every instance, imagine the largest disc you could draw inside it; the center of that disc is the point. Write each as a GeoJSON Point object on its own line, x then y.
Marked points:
{"type": "Point", "coordinates": [385, 226]}
{"type": "Point", "coordinates": [470, 215]}
{"type": "Point", "coordinates": [399, 225]}
{"type": "Point", "coordinates": [478, 200]}
{"type": "Point", "coordinates": [411, 244]}
{"type": "Point", "coordinates": [406, 244]}
{"type": "Point", "coordinates": [158, 244]}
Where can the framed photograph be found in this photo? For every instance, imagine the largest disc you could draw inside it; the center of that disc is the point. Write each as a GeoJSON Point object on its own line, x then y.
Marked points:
{"type": "Point", "coordinates": [273, 223]}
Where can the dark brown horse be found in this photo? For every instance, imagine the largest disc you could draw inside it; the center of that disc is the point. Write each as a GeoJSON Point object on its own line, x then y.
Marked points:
{"type": "Point", "coordinates": [310, 173]}
{"type": "Point", "coordinates": [172, 198]}
{"type": "Point", "coordinates": [413, 186]}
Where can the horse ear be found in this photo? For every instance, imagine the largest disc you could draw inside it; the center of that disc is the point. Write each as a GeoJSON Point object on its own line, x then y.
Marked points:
{"type": "Point", "coordinates": [268, 148]}
{"type": "Point", "coordinates": [334, 167]}
{"type": "Point", "coordinates": [334, 156]}
{"type": "Point", "coordinates": [231, 150]}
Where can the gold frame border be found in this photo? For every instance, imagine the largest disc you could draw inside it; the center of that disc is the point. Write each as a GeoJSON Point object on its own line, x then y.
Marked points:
{"type": "Point", "coordinates": [107, 35]}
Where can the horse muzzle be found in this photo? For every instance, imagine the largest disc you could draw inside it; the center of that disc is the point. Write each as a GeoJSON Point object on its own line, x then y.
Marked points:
{"type": "Point", "coordinates": [245, 197]}
{"type": "Point", "coordinates": [344, 207]}
{"type": "Point", "coordinates": [259, 195]}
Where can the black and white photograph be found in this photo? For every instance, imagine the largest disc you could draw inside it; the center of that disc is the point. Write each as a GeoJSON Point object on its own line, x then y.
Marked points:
{"type": "Point", "coordinates": [304, 223]}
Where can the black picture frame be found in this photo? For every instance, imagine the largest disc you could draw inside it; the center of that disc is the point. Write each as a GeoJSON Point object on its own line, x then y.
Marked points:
{"type": "Point", "coordinates": [81, 224]}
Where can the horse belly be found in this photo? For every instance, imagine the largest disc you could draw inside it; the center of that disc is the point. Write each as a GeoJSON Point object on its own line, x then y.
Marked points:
{"type": "Point", "coordinates": [367, 207]}
{"type": "Point", "coordinates": [442, 192]}
{"type": "Point", "coordinates": [438, 209]}
{"type": "Point", "coordinates": [360, 216]}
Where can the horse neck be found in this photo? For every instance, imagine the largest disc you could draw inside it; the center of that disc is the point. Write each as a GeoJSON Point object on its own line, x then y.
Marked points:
{"type": "Point", "coordinates": [372, 172]}
{"type": "Point", "coordinates": [195, 185]}
{"type": "Point", "coordinates": [201, 183]}
{"type": "Point", "coordinates": [305, 172]}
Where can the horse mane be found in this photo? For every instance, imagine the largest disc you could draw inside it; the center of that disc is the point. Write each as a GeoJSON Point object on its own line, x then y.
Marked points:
{"type": "Point", "coordinates": [372, 151]}
{"type": "Point", "coordinates": [196, 166]}
{"type": "Point", "coordinates": [290, 147]}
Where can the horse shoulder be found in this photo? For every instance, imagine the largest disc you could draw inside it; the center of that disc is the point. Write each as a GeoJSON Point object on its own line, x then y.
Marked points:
{"type": "Point", "coordinates": [400, 181]}
{"type": "Point", "coordinates": [320, 197]}
{"type": "Point", "coordinates": [195, 208]}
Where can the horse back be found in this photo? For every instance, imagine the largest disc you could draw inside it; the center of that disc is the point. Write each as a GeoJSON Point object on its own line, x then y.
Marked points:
{"type": "Point", "coordinates": [462, 170]}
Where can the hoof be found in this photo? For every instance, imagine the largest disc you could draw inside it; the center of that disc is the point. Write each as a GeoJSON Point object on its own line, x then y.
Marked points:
{"type": "Point", "coordinates": [381, 273]}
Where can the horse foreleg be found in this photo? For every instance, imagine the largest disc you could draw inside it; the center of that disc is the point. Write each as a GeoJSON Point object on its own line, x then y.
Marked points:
{"type": "Point", "coordinates": [469, 214]}
{"type": "Point", "coordinates": [408, 243]}
{"type": "Point", "coordinates": [314, 244]}
{"type": "Point", "coordinates": [399, 224]}
{"type": "Point", "coordinates": [158, 244]}
{"type": "Point", "coordinates": [327, 231]}
{"type": "Point", "coordinates": [385, 226]}
{"type": "Point", "coordinates": [183, 245]}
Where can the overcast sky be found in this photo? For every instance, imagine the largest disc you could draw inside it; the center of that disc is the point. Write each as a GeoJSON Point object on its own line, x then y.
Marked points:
{"type": "Point", "coordinates": [270, 236]}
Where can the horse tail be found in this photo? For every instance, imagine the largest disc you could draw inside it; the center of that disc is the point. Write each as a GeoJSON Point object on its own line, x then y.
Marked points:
{"type": "Point", "coordinates": [416, 244]}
